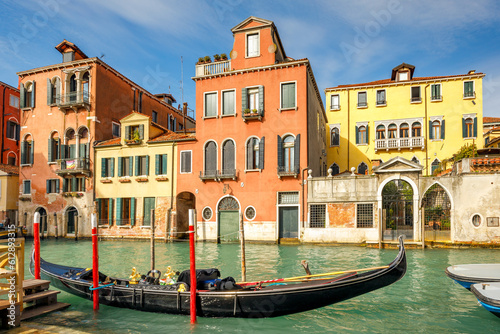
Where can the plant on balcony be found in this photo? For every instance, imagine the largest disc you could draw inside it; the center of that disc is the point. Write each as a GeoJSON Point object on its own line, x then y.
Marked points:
{"type": "Point", "coordinates": [216, 57]}
{"type": "Point", "coordinates": [246, 111]}
{"type": "Point", "coordinates": [223, 56]}
{"type": "Point", "coordinates": [255, 111]}
{"type": "Point", "coordinates": [207, 59]}
{"type": "Point", "coordinates": [136, 138]}
{"type": "Point", "coordinates": [201, 60]}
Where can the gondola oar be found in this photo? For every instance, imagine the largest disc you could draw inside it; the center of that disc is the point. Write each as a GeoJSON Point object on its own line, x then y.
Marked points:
{"type": "Point", "coordinates": [309, 276]}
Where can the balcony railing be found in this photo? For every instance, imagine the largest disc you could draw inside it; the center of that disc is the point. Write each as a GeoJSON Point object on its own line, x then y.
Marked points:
{"type": "Point", "coordinates": [436, 98]}
{"type": "Point", "coordinates": [227, 174]}
{"type": "Point", "coordinates": [213, 68]}
{"type": "Point", "coordinates": [208, 175]}
{"type": "Point", "coordinates": [288, 171]}
{"type": "Point", "coordinates": [73, 99]}
{"type": "Point", "coordinates": [218, 175]}
{"type": "Point", "coordinates": [399, 143]}
{"type": "Point", "coordinates": [249, 115]}
{"type": "Point", "coordinates": [469, 95]}
{"type": "Point", "coordinates": [74, 166]}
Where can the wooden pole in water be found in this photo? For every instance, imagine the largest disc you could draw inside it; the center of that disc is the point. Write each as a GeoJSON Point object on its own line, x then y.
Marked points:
{"type": "Point", "coordinates": [152, 218]}
{"type": "Point", "coordinates": [95, 262]}
{"type": "Point", "coordinates": [36, 235]}
{"type": "Point", "coordinates": [242, 243]}
{"type": "Point", "coordinates": [192, 302]}
{"type": "Point", "coordinates": [55, 225]}
{"type": "Point", "coordinates": [76, 227]}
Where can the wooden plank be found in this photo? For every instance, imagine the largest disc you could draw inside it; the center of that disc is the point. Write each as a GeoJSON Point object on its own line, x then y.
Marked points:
{"type": "Point", "coordinates": [40, 295]}
{"type": "Point", "coordinates": [35, 283]}
{"type": "Point", "coordinates": [29, 313]}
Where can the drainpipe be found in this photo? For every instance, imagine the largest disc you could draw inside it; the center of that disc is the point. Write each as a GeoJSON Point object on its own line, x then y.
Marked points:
{"type": "Point", "coordinates": [426, 121]}
{"type": "Point", "coordinates": [303, 196]}
{"type": "Point", "coordinates": [348, 126]}
{"type": "Point", "coordinates": [169, 216]}
{"type": "Point", "coordinates": [3, 125]}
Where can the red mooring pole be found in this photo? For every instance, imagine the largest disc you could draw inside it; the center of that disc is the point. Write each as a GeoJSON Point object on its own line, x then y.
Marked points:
{"type": "Point", "coordinates": [95, 261]}
{"type": "Point", "coordinates": [36, 236]}
{"type": "Point", "coordinates": [192, 287]}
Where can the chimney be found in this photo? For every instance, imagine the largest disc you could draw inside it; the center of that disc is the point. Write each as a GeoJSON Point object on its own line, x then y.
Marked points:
{"type": "Point", "coordinates": [184, 113]}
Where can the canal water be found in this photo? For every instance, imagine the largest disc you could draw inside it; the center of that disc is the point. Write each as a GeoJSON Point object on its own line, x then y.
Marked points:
{"type": "Point", "coordinates": [424, 301]}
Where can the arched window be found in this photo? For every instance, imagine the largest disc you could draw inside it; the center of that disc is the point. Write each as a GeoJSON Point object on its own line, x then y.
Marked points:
{"type": "Point", "coordinates": [415, 160]}
{"type": "Point", "coordinates": [288, 153]}
{"type": "Point", "coordinates": [469, 128]}
{"type": "Point", "coordinates": [393, 129]}
{"type": "Point", "coordinates": [416, 129]}
{"type": "Point", "coordinates": [11, 158]}
{"type": "Point", "coordinates": [362, 168]}
{"type": "Point", "coordinates": [72, 88]}
{"type": "Point", "coordinates": [69, 148]}
{"type": "Point", "coordinates": [335, 169]}
{"type": "Point", "coordinates": [380, 132]}
{"type": "Point", "coordinates": [362, 135]}
{"type": "Point", "coordinates": [436, 130]}
{"type": "Point", "coordinates": [434, 166]}
{"type": "Point", "coordinates": [210, 158]}
{"type": "Point", "coordinates": [253, 154]}
{"type": "Point", "coordinates": [29, 95]}
{"type": "Point", "coordinates": [83, 137]}
{"type": "Point", "coordinates": [228, 158]}
{"type": "Point", "coordinates": [54, 148]}
{"type": "Point", "coordinates": [54, 91]}
{"type": "Point", "coordinates": [334, 137]}
{"type": "Point", "coordinates": [85, 87]}
{"type": "Point", "coordinates": [404, 130]}
{"type": "Point", "coordinates": [27, 150]}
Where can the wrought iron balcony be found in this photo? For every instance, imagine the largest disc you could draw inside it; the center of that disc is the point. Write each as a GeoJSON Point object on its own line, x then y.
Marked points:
{"type": "Point", "coordinates": [288, 171]}
{"type": "Point", "coordinates": [73, 100]}
{"type": "Point", "coordinates": [249, 115]}
{"type": "Point", "coordinates": [399, 143]}
{"type": "Point", "coordinates": [208, 175]}
{"type": "Point", "coordinates": [74, 166]}
{"type": "Point", "coordinates": [213, 68]}
{"type": "Point", "coordinates": [469, 95]}
{"type": "Point", "coordinates": [218, 175]}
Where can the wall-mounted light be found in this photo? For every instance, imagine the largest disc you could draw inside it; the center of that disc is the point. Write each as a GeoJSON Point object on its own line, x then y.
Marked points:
{"type": "Point", "coordinates": [473, 102]}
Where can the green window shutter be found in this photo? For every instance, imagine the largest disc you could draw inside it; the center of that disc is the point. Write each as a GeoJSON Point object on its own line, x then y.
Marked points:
{"type": "Point", "coordinates": [47, 186]}
{"type": "Point", "coordinates": [296, 149]}
{"type": "Point", "coordinates": [23, 152]}
{"type": "Point", "coordinates": [442, 129]}
{"type": "Point", "coordinates": [431, 134]}
{"type": "Point", "coordinates": [82, 151]}
{"type": "Point", "coordinates": [357, 135]}
{"type": "Point", "coordinates": [280, 152]}
{"type": "Point", "coordinates": [33, 92]}
{"type": "Point", "coordinates": [164, 164]}
{"type": "Point", "coordinates": [72, 151]}
{"type": "Point", "coordinates": [83, 183]}
{"type": "Point", "coordinates": [475, 126]}
{"type": "Point", "coordinates": [141, 131]}
{"type": "Point", "coordinates": [250, 154]}
{"type": "Point", "coordinates": [130, 166]}
{"type": "Point", "coordinates": [118, 211]}
{"type": "Point", "coordinates": [261, 153]}
{"type": "Point", "coordinates": [50, 157]}
{"type": "Point", "coordinates": [367, 135]}
{"type": "Point", "coordinates": [57, 186]}
{"type": "Point", "coordinates": [112, 168]}
{"type": "Point", "coordinates": [58, 90]}
{"type": "Point", "coordinates": [157, 164]}
{"type": "Point", "coordinates": [147, 165]}
{"type": "Point", "coordinates": [244, 100]}
{"type": "Point", "coordinates": [120, 167]}
{"type": "Point", "coordinates": [74, 184]}
{"type": "Point", "coordinates": [32, 152]}
{"type": "Point", "coordinates": [22, 97]}
{"type": "Point", "coordinates": [49, 92]}
{"type": "Point", "coordinates": [136, 166]}
{"type": "Point", "coordinates": [110, 212]}
{"type": "Point", "coordinates": [65, 185]}
{"type": "Point", "coordinates": [98, 200]}
{"type": "Point", "coordinates": [127, 133]}
{"type": "Point", "coordinates": [103, 167]}
{"type": "Point", "coordinates": [464, 128]}
{"type": "Point", "coordinates": [261, 100]}
{"type": "Point", "coordinates": [132, 211]}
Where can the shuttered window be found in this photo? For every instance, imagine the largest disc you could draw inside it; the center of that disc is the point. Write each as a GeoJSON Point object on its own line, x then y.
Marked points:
{"type": "Point", "coordinates": [13, 130]}
{"type": "Point", "coordinates": [362, 99]}
{"type": "Point", "coordinates": [210, 104]}
{"type": "Point", "coordinates": [253, 147]}
{"type": "Point", "coordinates": [52, 186]}
{"type": "Point", "coordinates": [228, 102]}
{"type": "Point", "coordinates": [210, 158]}
{"type": "Point", "coordinates": [142, 165]}
{"type": "Point", "coordinates": [161, 164]}
{"type": "Point", "coordinates": [186, 162]}
{"type": "Point", "coordinates": [436, 92]}
{"type": "Point", "coordinates": [27, 154]}
{"type": "Point", "coordinates": [253, 45]}
{"type": "Point", "coordinates": [108, 167]}
{"type": "Point", "coordinates": [469, 89]}
{"type": "Point", "coordinates": [26, 187]}
{"type": "Point", "coordinates": [228, 157]}
{"type": "Point", "coordinates": [288, 95]}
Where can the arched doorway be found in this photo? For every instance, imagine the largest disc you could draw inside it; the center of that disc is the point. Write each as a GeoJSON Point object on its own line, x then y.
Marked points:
{"type": "Point", "coordinates": [184, 202]}
{"type": "Point", "coordinates": [71, 220]}
{"type": "Point", "coordinates": [436, 207]}
{"type": "Point", "coordinates": [43, 220]}
{"type": "Point", "coordinates": [397, 210]}
{"type": "Point", "coordinates": [228, 219]}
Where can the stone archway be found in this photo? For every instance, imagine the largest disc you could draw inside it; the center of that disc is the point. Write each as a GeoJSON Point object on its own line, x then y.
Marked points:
{"type": "Point", "coordinates": [436, 206]}
{"type": "Point", "coordinates": [397, 210]}
{"type": "Point", "coordinates": [44, 222]}
{"type": "Point", "coordinates": [71, 220]}
{"type": "Point", "coordinates": [228, 218]}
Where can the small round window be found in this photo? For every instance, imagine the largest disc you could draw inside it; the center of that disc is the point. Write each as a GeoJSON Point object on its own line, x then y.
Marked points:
{"type": "Point", "coordinates": [207, 213]}
{"type": "Point", "coordinates": [476, 220]}
{"type": "Point", "coordinates": [250, 213]}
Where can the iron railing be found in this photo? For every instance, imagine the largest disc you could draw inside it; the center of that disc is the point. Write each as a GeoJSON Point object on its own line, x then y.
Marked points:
{"type": "Point", "coordinates": [73, 98]}
{"type": "Point", "coordinates": [217, 175]}
{"type": "Point", "coordinates": [74, 166]}
{"type": "Point", "coordinates": [288, 170]}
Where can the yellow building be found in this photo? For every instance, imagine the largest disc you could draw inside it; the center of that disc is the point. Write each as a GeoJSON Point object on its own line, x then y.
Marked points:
{"type": "Point", "coordinates": [423, 119]}
{"type": "Point", "coordinates": [136, 173]}
{"type": "Point", "coordinates": [9, 192]}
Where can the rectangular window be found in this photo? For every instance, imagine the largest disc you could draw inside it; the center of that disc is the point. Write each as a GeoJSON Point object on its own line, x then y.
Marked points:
{"type": "Point", "coordinates": [415, 94]}
{"type": "Point", "coordinates": [126, 211]}
{"type": "Point", "coordinates": [27, 153]}
{"type": "Point", "coordinates": [142, 165]}
{"type": "Point", "coordinates": [125, 167]}
{"type": "Point", "coordinates": [210, 104]}
{"type": "Point", "coordinates": [185, 162]}
{"type": "Point", "coordinates": [116, 129]}
{"type": "Point", "coordinates": [161, 164]}
{"type": "Point", "coordinates": [26, 187]}
{"type": "Point", "coordinates": [13, 130]}
{"type": "Point", "coordinates": [14, 101]}
{"type": "Point", "coordinates": [364, 216]}
{"type": "Point", "coordinates": [469, 89]}
{"type": "Point", "coordinates": [362, 99]}
{"type": "Point", "coordinates": [253, 45]}
{"type": "Point", "coordinates": [107, 166]}
{"type": "Point", "coordinates": [103, 210]}
{"type": "Point", "coordinates": [335, 102]}
{"type": "Point", "coordinates": [68, 56]}
{"type": "Point", "coordinates": [436, 92]}
{"type": "Point", "coordinates": [154, 116]}
{"type": "Point", "coordinates": [253, 99]}
{"type": "Point", "coordinates": [288, 95]}
{"type": "Point", "coordinates": [403, 76]}
{"type": "Point", "coordinates": [228, 102]}
{"type": "Point", "coordinates": [381, 100]}
{"type": "Point", "coordinates": [288, 197]}
{"type": "Point", "coordinates": [317, 215]}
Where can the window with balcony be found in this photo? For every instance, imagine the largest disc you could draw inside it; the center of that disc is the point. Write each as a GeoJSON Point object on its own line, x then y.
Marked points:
{"type": "Point", "coordinates": [210, 169]}
{"type": "Point", "coordinates": [288, 95]}
{"type": "Point", "coordinates": [105, 210]}
{"type": "Point", "coordinates": [228, 102]}
{"type": "Point", "coordinates": [469, 127]}
{"type": "Point", "coordinates": [381, 98]}
{"type": "Point", "coordinates": [108, 167]}
{"type": "Point", "coordinates": [228, 159]}
{"type": "Point", "coordinates": [416, 129]}
{"type": "Point", "coordinates": [288, 155]}
{"type": "Point", "coordinates": [392, 131]}
{"type": "Point", "coordinates": [335, 102]}
{"type": "Point", "coordinates": [26, 187]}
{"type": "Point", "coordinates": [404, 130]}
{"type": "Point", "coordinates": [335, 137]}
{"type": "Point", "coordinates": [52, 186]}
{"type": "Point", "coordinates": [210, 104]}
{"type": "Point", "coordinates": [364, 215]}
{"type": "Point", "coordinates": [14, 101]}
{"type": "Point", "coordinates": [161, 164]}
{"type": "Point", "coordinates": [362, 100]}
{"type": "Point", "coordinates": [253, 45]}
{"type": "Point", "coordinates": [13, 130]}
{"type": "Point", "coordinates": [53, 90]}
{"type": "Point", "coordinates": [469, 89]}
{"type": "Point", "coordinates": [255, 153]}
{"type": "Point", "coordinates": [142, 165]}
{"type": "Point", "coordinates": [380, 132]}
{"type": "Point", "coordinates": [415, 94]}
{"type": "Point", "coordinates": [186, 166]}
{"type": "Point", "coordinates": [125, 166]}
{"type": "Point", "coordinates": [436, 92]}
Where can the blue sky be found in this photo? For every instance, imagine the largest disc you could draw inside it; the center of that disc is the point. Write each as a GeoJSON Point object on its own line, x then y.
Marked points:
{"type": "Point", "coordinates": [346, 41]}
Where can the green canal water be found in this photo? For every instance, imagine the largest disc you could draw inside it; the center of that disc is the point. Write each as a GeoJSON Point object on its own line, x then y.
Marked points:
{"type": "Point", "coordinates": [424, 301]}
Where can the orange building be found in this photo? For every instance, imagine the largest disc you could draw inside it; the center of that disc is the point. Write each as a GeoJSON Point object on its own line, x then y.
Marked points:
{"type": "Point", "coordinates": [261, 125]}
{"type": "Point", "coordinates": [9, 102]}
{"type": "Point", "coordinates": [66, 108]}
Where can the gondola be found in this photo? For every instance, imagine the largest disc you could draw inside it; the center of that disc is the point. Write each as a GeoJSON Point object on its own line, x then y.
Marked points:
{"type": "Point", "coordinates": [488, 295]}
{"type": "Point", "coordinates": [468, 274]}
{"type": "Point", "coordinates": [249, 300]}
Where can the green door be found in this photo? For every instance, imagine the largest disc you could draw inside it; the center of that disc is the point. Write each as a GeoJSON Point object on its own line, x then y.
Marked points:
{"type": "Point", "coordinates": [149, 204]}
{"type": "Point", "coordinates": [289, 222]}
{"type": "Point", "coordinates": [72, 212]}
{"type": "Point", "coordinates": [229, 226]}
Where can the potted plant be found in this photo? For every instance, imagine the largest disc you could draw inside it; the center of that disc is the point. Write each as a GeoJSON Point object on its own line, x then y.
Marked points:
{"type": "Point", "coordinates": [201, 60]}
{"type": "Point", "coordinates": [254, 111]}
{"type": "Point", "coordinates": [216, 57]}
{"type": "Point", "coordinates": [223, 56]}
{"type": "Point", "coordinates": [136, 138]}
{"type": "Point", "coordinates": [246, 111]}
{"type": "Point", "coordinates": [207, 59]}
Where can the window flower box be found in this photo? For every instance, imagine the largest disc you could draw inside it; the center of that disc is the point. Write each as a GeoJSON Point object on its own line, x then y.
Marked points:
{"type": "Point", "coordinates": [124, 180]}
{"type": "Point", "coordinates": [132, 141]}
{"type": "Point", "coordinates": [161, 178]}
{"type": "Point", "coordinates": [141, 179]}
{"type": "Point", "coordinates": [106, 181]}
